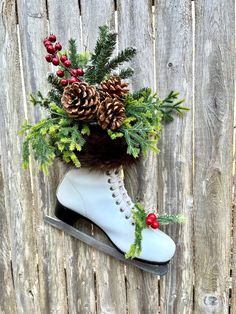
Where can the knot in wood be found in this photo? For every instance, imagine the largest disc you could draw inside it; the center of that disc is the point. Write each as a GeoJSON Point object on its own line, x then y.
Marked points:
{"type": "Point", "coordinates": [211, 300]}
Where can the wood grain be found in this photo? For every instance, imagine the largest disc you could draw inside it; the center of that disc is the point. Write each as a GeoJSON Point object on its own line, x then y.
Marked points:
{"type": "Point", "coordinates": [109, 273]}
{"type": "Point", "coordinates": [232, 295]}
{"type": "Point", "coordinates": [135, 28]}
{"type": "Point", "coordinates": [33, 28]}
{"type": "Point", "coordinates": [214, 92]}
{"type": "Point", "coordinates": [7, 41]}
{"type": "Point", "coordinates": [78, 256]}
{"type": "Point", "coordinates": [173, 54]}
{"type": "Point", "coordinates": [45, 271]}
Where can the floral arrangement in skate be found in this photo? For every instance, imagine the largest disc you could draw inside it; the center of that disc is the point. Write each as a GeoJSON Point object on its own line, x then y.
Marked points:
{"type": "Point", "coordinates": [94, 120]}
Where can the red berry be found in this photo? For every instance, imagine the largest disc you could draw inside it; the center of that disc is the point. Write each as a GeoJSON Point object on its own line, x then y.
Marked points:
{"type": "Point", "coordinates": [55, 61]}
{"type": "Point", "coordinates": [63, 58]}
{"type": "Point", "coordinates": [49, 58]}
{"type": "Point", "coordinates": [155, 224]}
{"type": "Point", "coordinates": [60, 73]}
{"type": "Point", "coordinates": [52, 38]}
{"type": "Point", "coordinates": [47, 43]}
{"type": "Point", "coordinates": [73, 79]}
{"type": "Point", "coordinates": [63, 82]}
{"type": "Point", "coordinates": [50, 49]}
{"type": "Point", "coordinates": [149, 221]}
{"type": "Point", "coordinates": [152, 216]}
{"type": "Point", "coordinates": [67, 63]}
{"type": "Point", "coordinates": [73, 72]}
{"type": "Point", "coordinates": [80, 72]}
{"type": "Point", "coordinates": [58, 46]}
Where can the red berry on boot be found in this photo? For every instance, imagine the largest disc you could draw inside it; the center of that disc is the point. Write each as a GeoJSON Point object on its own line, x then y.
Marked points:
{"type": "Point", "coordinates": [55, 61]}
{"type": "Point", "coordinates": [149, 221]}
{"type": "Point", "coordinates": [49, 58]}
{"type": "Point", "coordinates": [58, 46]}
{"type": "Point", "coordinates": [73, 72]}
{"type": "Point", "coordinates": [80, 72]}
{"type": "Point", "coordinates": [63, 82]}
{"type": "Point", "coordinates": [60, 73]}
{"type": "Point", "coordinates": [67, 63]}
{"type": "Point", "coordinates": [155, 224]}
{"type": "Point", "coordinates": [52, 38]}
{"type": "Point", "coordinates": [50, 49]}
{"type": "Point", "coordinates": [152, 216]}
{"type": "Point", "coordinates": [63, 58]}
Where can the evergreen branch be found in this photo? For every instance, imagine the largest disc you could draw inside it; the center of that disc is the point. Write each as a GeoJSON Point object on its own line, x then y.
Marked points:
{"type": "Point", "coordinates": [139, 216]}
{"type": "Point", "coordinates": [51, 138]}
{"type": "Point", "coordinates": [104, 48]}
{"type": "Point", "coordinates": [39, 99]}
{"type": "Point", "coordinates": [54, 81]}
{"type": "Point", "coordinates": [124, 56]}
{"type": "Point", "coordinates": [72, 53]}
{"type": "Point", "coordinates": [169, 219]}
{"type": "Point", "coordinates": [126, 73]}
{"type": "Point", "coordinates": [170, 106]}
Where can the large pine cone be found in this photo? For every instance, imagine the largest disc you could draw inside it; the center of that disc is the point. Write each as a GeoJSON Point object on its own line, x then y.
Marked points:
{"type": "Point", "coordinates": [111, 113]}
{"type": "Point", "coordinates": [114, 88]}
{"type": "Point", "coordinates": [80, 101]}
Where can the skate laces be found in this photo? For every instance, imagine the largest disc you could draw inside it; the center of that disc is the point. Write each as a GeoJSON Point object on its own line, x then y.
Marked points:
{"type": "Point", "coordinates": [119, 193]}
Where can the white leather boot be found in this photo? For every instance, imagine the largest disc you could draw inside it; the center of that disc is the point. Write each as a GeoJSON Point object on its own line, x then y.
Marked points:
{"type": "Point", "coordinates": [102, 198]}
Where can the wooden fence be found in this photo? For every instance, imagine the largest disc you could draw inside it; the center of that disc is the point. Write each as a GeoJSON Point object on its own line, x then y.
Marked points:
{"type": "Point", "coordinates": [182, 45]}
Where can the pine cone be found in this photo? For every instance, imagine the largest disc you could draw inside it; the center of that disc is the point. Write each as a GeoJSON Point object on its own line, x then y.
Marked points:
{"type": "Point", "coordinates": [80, 101]}
{"type": "Point", "coordinates": [114, 88]}
{"type": "Point", "coordinates": [111, 113]}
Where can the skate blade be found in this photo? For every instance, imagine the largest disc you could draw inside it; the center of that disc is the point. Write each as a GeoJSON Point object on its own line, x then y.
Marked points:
{"type": "Point", "coordinates": [159, 270]}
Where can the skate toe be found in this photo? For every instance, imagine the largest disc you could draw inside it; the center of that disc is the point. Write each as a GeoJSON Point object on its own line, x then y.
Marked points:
{"type": "Point", "coordinates": [157, 246]}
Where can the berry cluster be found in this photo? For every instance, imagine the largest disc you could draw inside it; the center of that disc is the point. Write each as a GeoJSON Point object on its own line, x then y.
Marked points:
{"type": "Point", "coordinates": [61, 60]}
{"type": "Point", "coordinates": [151, 221]}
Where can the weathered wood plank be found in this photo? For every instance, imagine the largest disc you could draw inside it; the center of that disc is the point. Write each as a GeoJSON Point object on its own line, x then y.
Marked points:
{"type": "Point", "coordinates": [93, 15]}
{"type": "Point", "coordinates": [8, 40]}
{"type": "Point", "coordinates": [64, 20]}
{"type": "Point", "coordinates": [109, 272]}
{"type": "Point", "coordinates": [173, 54]}
{"type": "Point", "coordinates": [135, 28]}
{"type": "Point", "coordinates": [52, 297]}
{"type": "Point", "coordinates": [214, 92]}
{"type": "Point", "coordinates": [78, 261]}
{"type": "Point", "coordinates": [232, 296]}
{"type": "Point", "coordinates": [17, 184]}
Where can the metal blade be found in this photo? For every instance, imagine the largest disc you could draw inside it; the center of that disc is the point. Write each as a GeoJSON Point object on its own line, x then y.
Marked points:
{"type": "Point", "coordinates": [159, 270]}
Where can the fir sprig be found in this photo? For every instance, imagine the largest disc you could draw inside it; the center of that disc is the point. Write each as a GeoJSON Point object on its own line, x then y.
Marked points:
{"type": "Point", "coordinates": [124, 56]}
{"type": "Point", "coordinates": [101, 63]}
{"type": "Point", "coordinates": [126, 73]}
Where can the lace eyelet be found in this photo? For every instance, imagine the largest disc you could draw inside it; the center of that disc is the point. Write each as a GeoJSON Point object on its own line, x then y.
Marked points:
{"type": "Point", "coordinates": [117, 203]}
{"type": "Point", "coordinates": [127, 217]}
{"type": "Point", "coordinates": [107, 173]}
{"type": "Point", "coordinates": [109, 181]}
{"type": "Point", "coordinates": [121, 210]}
{"type": "Point", "coordinates": [133, 223]}
{"type": "Point", "coordinates": [111, 188]}
{"type": "Point", "coordinates": [113, 195]}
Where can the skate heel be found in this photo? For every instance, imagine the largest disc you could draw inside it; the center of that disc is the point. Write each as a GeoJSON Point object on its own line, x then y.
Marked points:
{"type": "Point", "coordinates": [66, 215]}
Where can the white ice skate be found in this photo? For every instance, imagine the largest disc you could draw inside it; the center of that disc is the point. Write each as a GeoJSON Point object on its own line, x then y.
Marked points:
{"type": "Point", "coordinates": [102, 198]}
